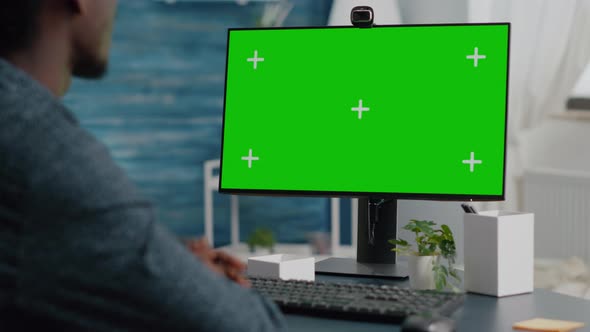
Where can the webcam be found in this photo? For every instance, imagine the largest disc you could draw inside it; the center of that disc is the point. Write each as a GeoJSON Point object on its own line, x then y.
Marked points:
{"type": "Point", "coordinates": [362, 16]}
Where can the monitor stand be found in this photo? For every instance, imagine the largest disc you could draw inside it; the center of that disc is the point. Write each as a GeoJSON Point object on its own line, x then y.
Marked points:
{"type": "Point", "coordinates": [377, 223]}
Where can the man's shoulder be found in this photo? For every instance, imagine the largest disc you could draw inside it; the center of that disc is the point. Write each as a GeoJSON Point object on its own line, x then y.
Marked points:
{"type": "Point", "coordinates": [26, 107]}
{"type": "Point", "coordinates": [56, 159]}
{"type": "Point", "coordinates": [32, 122]}
{"type": "Point", "coordinates": [22, 97]}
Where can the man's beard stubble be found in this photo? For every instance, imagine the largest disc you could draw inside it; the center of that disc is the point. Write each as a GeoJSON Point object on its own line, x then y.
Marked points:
{"type": "Point", "coordinates": [89, 67]}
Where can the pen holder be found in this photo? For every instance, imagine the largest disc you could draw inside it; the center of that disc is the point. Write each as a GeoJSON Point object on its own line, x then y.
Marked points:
{"type": "Point", "coordinates": [499, 251]}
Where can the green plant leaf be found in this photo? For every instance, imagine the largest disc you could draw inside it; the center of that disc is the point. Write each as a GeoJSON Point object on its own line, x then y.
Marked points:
{"type": "Point", "coordinates": [454, 274]}
{"type": "Point", "coordinates": [261, 237]}
{"type": "Point", "coordinates": [446, 230]}
{"type": "Point", "coordinates": [432, 241]}
{"type": "Point", "coordinates": [401, 246]}
{"type": "Point", "coordinates": [440, 279]}
{"type": "Point", "coordinates": [400, 242]}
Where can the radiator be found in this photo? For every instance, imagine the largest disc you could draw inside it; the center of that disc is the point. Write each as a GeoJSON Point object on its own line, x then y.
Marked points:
{"type": "Point", "coordinates": [560, 201]}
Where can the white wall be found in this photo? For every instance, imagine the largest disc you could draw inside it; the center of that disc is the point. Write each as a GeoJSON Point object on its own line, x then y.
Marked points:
{"type": "Point", "coordinates": [556, 183]}
{"type": "Point", "coordinates": [557, 143]}
{"type": "Point", "coordinates": [582, 88]}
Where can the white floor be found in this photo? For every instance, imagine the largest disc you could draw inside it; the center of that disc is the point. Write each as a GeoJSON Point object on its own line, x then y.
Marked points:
{"type": "Point", "coordinates": [570, 276]}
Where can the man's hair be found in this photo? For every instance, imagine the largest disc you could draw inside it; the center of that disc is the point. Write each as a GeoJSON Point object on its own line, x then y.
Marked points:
{"type": "Point", "coordinates": [18, 24]}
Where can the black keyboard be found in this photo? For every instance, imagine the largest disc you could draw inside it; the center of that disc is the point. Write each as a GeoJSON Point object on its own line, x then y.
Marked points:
{"type": "Point", "coordinates": [355, 301]}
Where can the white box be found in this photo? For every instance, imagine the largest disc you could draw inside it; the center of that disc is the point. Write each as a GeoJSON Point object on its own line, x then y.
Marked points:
{"type": "Point", "coordinates": [282, 266]}
{"type": "Point", "coordinates": [499, 252]}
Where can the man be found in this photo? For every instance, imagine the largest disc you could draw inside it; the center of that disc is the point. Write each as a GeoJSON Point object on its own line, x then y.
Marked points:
{"type": "Point", "coordinates": [79, 247]}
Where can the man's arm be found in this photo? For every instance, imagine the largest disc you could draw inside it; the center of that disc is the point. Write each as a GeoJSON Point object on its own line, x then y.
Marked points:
{"type": "Point", "coordinates": [219, 261]}
{"type": "Point", "coordinates": [105, 274]}
{"type": "Point", "coordinates": [94, 258]}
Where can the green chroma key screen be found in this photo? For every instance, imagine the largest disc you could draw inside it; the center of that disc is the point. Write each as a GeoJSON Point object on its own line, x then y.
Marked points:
{"type": "Point", "coordinates": [415, 111]}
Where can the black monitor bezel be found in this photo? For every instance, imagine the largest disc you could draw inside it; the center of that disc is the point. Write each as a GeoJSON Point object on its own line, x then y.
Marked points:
{"type": "Point", "coordinates": [315, 193]}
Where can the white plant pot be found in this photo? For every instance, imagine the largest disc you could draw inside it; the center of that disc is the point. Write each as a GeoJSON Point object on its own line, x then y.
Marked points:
{"type": "Point", "coordinates": [258, 251]}
{"type": "Point", "coordinates": [421, 274]}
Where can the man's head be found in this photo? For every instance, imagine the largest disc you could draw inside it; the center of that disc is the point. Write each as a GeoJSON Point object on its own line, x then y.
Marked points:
{"type": "Point", "coordinates": [82, 27]}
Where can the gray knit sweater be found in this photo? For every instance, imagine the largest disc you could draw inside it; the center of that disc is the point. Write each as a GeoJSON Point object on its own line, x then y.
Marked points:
{"type": "Point", "coordinates": [80, 248]}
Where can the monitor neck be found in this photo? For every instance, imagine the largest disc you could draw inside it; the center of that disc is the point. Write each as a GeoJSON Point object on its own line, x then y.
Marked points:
{"type": "Point", "coordinates": [377, 223]}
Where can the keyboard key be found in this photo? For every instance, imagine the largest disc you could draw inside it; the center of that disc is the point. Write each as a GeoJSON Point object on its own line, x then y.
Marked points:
{"type": "Point", "coordinates": [355, 301]}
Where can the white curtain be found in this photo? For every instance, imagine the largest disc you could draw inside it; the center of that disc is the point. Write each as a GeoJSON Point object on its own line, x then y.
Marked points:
{"type": "Point", "coordinates": [550, 46]}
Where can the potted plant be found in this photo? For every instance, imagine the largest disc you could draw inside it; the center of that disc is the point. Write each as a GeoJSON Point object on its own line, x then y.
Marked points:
{"type": "Point", "coordinates": [425, 266]}
{"type": "Point", "coordinates": [261, 238]}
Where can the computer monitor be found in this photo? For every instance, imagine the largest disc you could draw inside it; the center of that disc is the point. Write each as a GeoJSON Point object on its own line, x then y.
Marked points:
{"type": "Point", "coordinates": [381, 113]}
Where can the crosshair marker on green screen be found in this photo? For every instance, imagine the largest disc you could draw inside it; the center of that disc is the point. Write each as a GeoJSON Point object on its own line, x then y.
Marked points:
{"type": "Point", "coordinates": [408, 110]}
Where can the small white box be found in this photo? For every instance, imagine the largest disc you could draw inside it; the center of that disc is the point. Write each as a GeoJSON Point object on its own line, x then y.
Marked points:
{"type": "Point", "coordinates": [282, 266]}
{"type": "Point", "coordinates": [499, 252]}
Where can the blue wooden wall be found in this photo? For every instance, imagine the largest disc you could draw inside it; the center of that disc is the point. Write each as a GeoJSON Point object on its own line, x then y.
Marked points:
{"type": "Point", "coordinates": [160, 109]}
